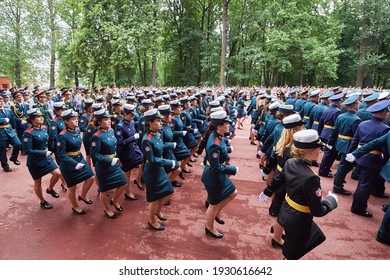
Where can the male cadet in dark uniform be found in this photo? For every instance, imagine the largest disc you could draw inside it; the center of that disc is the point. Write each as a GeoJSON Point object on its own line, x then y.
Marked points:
{"type": "Point", "coordinates": [19, 110]}
{"type": "Point", "coordinates": [316, 112]}
{"type": "Point", "coordinates": [7, 135]}
{"type": "Point", "coordinates": [300, 102]}
{"type": "Point", "coordinates": [342, 133]}
{"type": "Point", "coordinates": [43, 107]}
{"type": "Point", "coordinates": [67, 99]}
{"type": "Point", "coordinates": [208, 98]}
{"type": "Point", "coordinates": [372, 163]}
{"type": "Point", "coordinates": [291, 96]}
{"type": "Point", "coordinates": [325, 127]}
{"type": "Point", "coordinates": [309, 105]}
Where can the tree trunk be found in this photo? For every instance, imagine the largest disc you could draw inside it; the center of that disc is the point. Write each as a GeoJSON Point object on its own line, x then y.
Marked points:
{"type": "Point", "coordinates": [144, 73]}
{"type": "Point", "coordinates": [53, 42]}
{"type": "Point", "coordinates": [154, 66]}
{"type": "Point", "coordinates": [362, 51]}
{"type": "Point", "coordinates": [18, 79]}
{"type": "Point", "coordinates": [93, 77]}
{"type": "Point", "coordinates": [222, 79]}
{"type": "Point", "coordinates": [76, 77]}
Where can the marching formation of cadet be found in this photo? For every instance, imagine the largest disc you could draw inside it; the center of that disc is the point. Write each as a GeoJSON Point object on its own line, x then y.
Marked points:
{"type": "Point", "coordinates": [159, 134]}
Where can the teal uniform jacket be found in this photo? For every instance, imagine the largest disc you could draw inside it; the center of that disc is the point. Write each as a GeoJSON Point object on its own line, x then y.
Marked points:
{"type": "Point", "coordinates": [6, 130]}
{"type": "Point", "coordinates": [201, 115]}
{"type": "Point", "coordinates": [189, 138]}
{"type": "Point", "coordinates": [240, 105]}
{"type": "Point", "coordinates": [35, 144]}
{"type": "Point", "coordinates": [87, 138]}
{"type": "Point", "coordinates": [181, 151]}
{"type": "Point", "coordinates": [363, 114]}
{"type": "Point", "coordinates": [128, 151]}
{"type": "Point", "coordinates": [167, 137]}
{"type": "Point", "coordinates": [378, 144]}
{"type": "Point", "coordinates": [362, 105]}
{"type": "Point", "coordinates": [273, 138]}
{"type": "Point", "coordinates": [216, 171]}
{"type": "Point", "coordinates": [69, 104]}
{"type": "Point", "coordinates": [315, 115]}
{"type": "Point", "coordinates": [269, 128]}
{"type": "Point", "coordinates": [290, 101]}
{"type": "Point", "coordinates": [103, 149]}
{"type": "Point", "coordinates": [156, 179]}
{"type": "Point", "coordinates": [84, 120]}
{"type": "Point", "coordinates": [343, 131]}
{"type": "Point", "coordinates": [68, 151]}
{"type": "Point", "coordinates": [196, 122]}
{"type": "Point", "coordinates": [262, 123]}
{"type": "Point", "coordinates": [56, 126]}
{"type": "Point", "coordinates": [307, 108]}
{"type": "Point", "coordinates": [298, 106]}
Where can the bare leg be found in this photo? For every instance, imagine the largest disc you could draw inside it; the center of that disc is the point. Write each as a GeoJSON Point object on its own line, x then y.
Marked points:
{"type": "Point", "coordinates": [161, 204]}
{"type": "Point", "coordinates": [104, 200]}
{"type": "Point", "coordinates": [118, 192]}
{"type": "Point", "coordinates": [211, 213]}
{"type": "Point", "coordinates": [152, 208]}
{"type": "Point", "coordinates": [72, 198]}
{"type": "Point", "coordinates": [38, 189]}
{"type": "Point", "coordinates": [86, 187]}
{"type": "Point", "coordinates": [56, 174]}
{"type": "Point", "coordinates": [174, 174]}
{"type": "Point", "coordinates": [278, 232]}
{"type": "Point", "coordinates": [225, 202]}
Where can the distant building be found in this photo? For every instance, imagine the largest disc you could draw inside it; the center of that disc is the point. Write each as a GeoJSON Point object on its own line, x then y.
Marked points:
{"type": "Point", "coordinates": [5, 82]}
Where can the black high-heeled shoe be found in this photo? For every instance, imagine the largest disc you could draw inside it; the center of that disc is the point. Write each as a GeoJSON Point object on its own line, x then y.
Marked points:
{"type": "Point", "coordinates": [186, 171]}
{"type": "Point", "coordinates": [138, 185]}
{"type": "Point", "coordinates": [161, 227]}
{"type": "Point", "coordinates": [218, 235]}
{"type": "Point", "coordinates": [189, 164]}
{"type": "Point", "coordinates": [128, 197]}
{"type": "Point", "coordinates": [82, 212]}
{"type": "Point", "coordinates": [206, 204]}
{"type": "Point", "coordinates": [63, 188]}
{"type": "Point", "coordinates": [219, 221]}
{"type": "Point", "coordinates": [162, 218]}
{"type": "Point", "coordinates": [120, 209]}
{"type": "Point", "coordinates": [85, 201]}
{"type": "Point", "coordinates": [181, 176]}
{"type": "Point", "coordinates": [276, 244]}
{"type": "Point", "coordinates": [113, 216]}
{"type": "Point", "coordinates": [52, 193]}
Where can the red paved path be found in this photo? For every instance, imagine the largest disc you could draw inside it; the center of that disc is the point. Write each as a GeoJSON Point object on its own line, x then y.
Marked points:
{"type": "Point", "coordinates": [29, 232]}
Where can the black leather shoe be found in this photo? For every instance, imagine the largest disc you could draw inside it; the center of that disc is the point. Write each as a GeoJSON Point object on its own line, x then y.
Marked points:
{"type": "Point", "coordinates": [84, 200]}
{"type": "Point", "coordinates": [161, 227]}
{"type": "Point", "coordinates": [168, 202]}
{"type": "Point", "coordinates": [326, 175]}
{"type": "Point", "coordinates": [128, 197]}
{"type": "Point", "coordinates": [7, 169]}
{"type": "Point", "coordinates": [113, 216]}
{"type": "Point", "coordinates": [341, 191]}
{"type": "Point", "coordinates": [162, 218]}
{"type": "Point", "coordinates": [190, 165]}
{"type": "Point", "coordinates": [52, 193]}
{"type": "Point", "coordinates": [253, 143]}
{"type": "Point", "coordinates": [120, 209]}
{"type": "Point", "coordinates": [366, 214]}
{"type": "Point", "coordinates": [63, 188]}
{"type": "Point", "coordinates": [46, 205]}
{"type": "Point", "coordinates": [181, 176]}
{"type": "Point", "coordinates": [176, 184]}
{"type": "Point", "coordinates": [192, 160]}
{"type": "Point", "coordinates": [219, 221]}
{"type": "Point", "coordinates": [82, 212]}
{"type": "Point", "coordinates": [15, 161]}
{"type": "Point", "coordinates": [138, 185]}
{"type": "Point", "coordinates": [354, 177]}
{"type": "Point", "coordinates": [218, 235]}
{"type": "Point", "coordinates": [276, 244]}
{"type": "Point", "coordinates": [381, 195]}
{"type": "Point", "coordinates": [382, 240]}
{"type": "Point", "coordinates": [186, 171]}
{"type": "Point", "coordinates": [384, 207]}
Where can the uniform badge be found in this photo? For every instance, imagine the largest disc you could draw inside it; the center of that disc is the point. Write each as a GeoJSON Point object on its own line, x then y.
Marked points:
{"type": "Point", "coordinates": [82, 121]}
{"type": "Point", "coordinates": [318, 192]}
{"type": "Point", "coordinates": [147, 148]}
{"type": "Point", "coordinates": [118, 133]}
{"type": "Point", "coordinates": [89, 130]}
{"type": "Point", "coordinates": [59, 144]}
{"type": "Point", "coordinates": [93, 144]}
{"type": "Point", "coordinates": [53, 127]}
{"type": "Point", "coordinates": [215, 155]}
{"type": "Point", "coordinates": [25, 139]}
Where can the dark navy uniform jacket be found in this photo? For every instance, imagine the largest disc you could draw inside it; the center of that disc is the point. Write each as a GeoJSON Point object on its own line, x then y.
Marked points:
{"type": "Point", "coordinates": [20, 114]}
{"type": "Point", "coordinates": [327, 121]}
{"type": "Point", "coordinates": [6, 130]}
{"type": "Point", "coordinates": [315, 115]}
{"type": "Point", "coordinates": [366, 132]}
{"type": "Point", "coordinates": [378, 144]}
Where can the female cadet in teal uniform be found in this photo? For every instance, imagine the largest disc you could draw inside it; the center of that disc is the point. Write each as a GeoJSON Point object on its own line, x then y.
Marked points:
{"type": "Point", "coordinates": [39, 160]}
{"type": "Point", "coordinates": [108, 171]}
{"type": "Point", "coordinates": [90, 131]}
{"type": "Point", "coordinates": [220, 189]}
{"type": "Point", "coordinates": [167, 137]}
{"type": "Point", "coordinates": [86, 116]}
{"type": "Point", "coordinates": [303, 197]}
{"type": "Point", "coordinates": [74, 168]}
{"type": "Point", "coordinates": [158, 186]}
{"type": "Point", "coordinates": [128, 151]}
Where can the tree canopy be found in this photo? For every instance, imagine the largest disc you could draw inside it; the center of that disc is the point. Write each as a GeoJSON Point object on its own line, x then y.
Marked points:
{"type": "Point", "coordinates": [181, 42]}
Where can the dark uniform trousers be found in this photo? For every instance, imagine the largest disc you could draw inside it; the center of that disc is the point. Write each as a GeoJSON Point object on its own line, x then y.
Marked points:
{"type": "Point", "coordinates": [342, 171]}
{"type": "Point", "coordinates": [327, 161]}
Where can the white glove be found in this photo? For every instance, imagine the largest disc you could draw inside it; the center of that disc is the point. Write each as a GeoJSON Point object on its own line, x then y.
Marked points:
{"type": "Point", "coordinates": [264, 176]}
{"type": "Point", "coordinates": [229, 141]}
{"type": "Point", "coordinates": [173, 164]}
{"type": "Point", "coordinates": [48, 154]}
{"type": "Point", "coordinates": [350, 158]}
{"type": "Point", "coordinates": [202, 164]}
{"type": "Point", "coordinates": [234, 124]}
{"type": "Point", "coordinates": [23, 122]}
{"type": "Point", "coordinates": [253, 131]}
{"type": "Point", "coordinates": [174, 145]}
{"type": "Point", "coordinates": [136, 135]}
{"type": "Point", "coordinates": [196, 130]}
{"type": "Point", "coordinates": [253, 125]}
{"type": "Point", "coordinates": [261, 154]}
{"type": "Point", "coordinates": [329, 147]}
{"type": "Point", "coordinates": [237, 169]}
{"type": "Point", "coordinates": [6, 119]}
{"type": "Point", "coordinates": [184, 133]}
{"type": "Point", "coordinates": [263, 197]}
{"type": "Point", "coordinates": [114, 161]}
{"type": "Point", "coordinates": [333, 195]}
{"type": "Point", "coordinates": [261, 144]}
{"type": "Point", "coordinates": [79, 166]}
{"type": "Point", "coordinates": [231, 149]}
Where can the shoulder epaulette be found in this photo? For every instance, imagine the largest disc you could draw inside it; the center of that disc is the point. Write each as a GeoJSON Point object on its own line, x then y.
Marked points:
{"type": "Point", "coordinates": [63, 132]}
{"type": "Point", "coordinates": [216, 140]}
{"type": "Point", "coordinates": [30, 129]}
{"type": "Point", "coordinates": [149, 137]}
{"type": "Point", "coordinates": [97, 133]}
{"type": "Point", "coordinates": [55, 119]}
{"type": "Point", "coordinates": [43, 126]}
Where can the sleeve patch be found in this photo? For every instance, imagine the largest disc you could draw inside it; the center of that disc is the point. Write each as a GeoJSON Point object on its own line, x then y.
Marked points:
{"type": "Point", "coordinates": [53, 127]}
{"type": "Point", "coordinates": [147, 148]}
{"type": "Point", "coordinates": [318, 192]}
{"type": "Point", "coordinates": [118, 133]}
{"type": "Point", "coordinates": [59, 144]}
{"type": "Point", "coordinates": [25, 139]}
{"type": "Point", "coordinates": [93, 144]}
{"type": "Point", "coordinates": [215, 155]}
